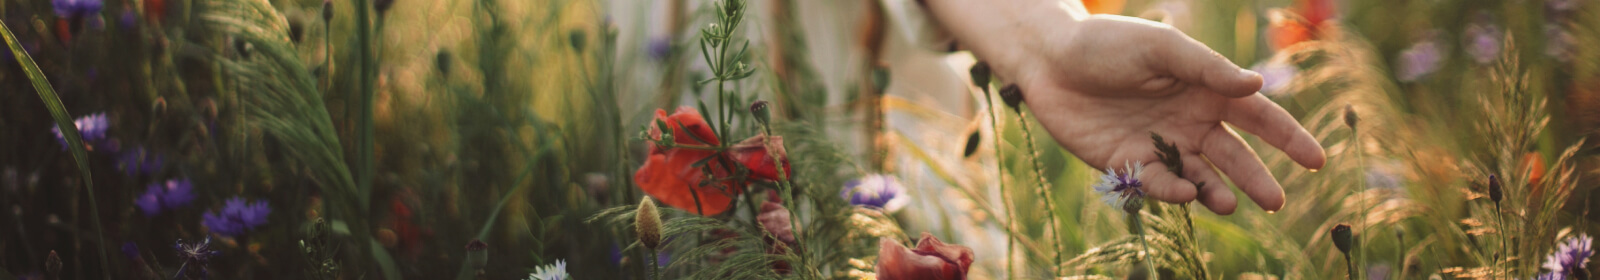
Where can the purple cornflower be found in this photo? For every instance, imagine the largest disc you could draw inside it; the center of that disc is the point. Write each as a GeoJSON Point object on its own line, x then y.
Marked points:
{"type": "Point", "coordinates": [93, 128]}
{"type": "Point", "coordinates": [877, 191]}
{"type": "Point", "coordinates": [1120, 188]}
{"type": "Point", "coordinates": [1482, 39]}
{"type": "Point", "coordinates": [139, 161]}
{"type": "Point", "coordinates": [128, 20]}
{"type": "Point", "coordinates": [130, 250]}
{"type": "Point", "coordinates": [237, 217]}
{"type": "Point", "coordinates": [165, 196]}
{"type": "Point", "coordinates": [1559, 42]}
{"type": "Point", "coordinates": [195, 255]}
{"type": "Point", "coordinates": [1420, 59]}
{"type": "Point", "coordinates": [1276, 76]}
{"type": "Point", "coordinates": [1569, 258]}
{"type": "Point", "coordinates": [659, 47]}
{"type": "Point", "coordinates": [76, 8]}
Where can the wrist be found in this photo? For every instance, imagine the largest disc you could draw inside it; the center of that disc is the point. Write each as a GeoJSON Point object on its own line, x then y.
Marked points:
{"type": "Point", "coordinates": [1009, 35]}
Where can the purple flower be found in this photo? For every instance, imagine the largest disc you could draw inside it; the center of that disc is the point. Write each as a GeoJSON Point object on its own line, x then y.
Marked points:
{"type": "Point", "coordinates": [1420, 59]}
{"type": "Point", "coordinates": [1569, 258]}
{"type": "Point", "coordinates": [1561, 6]}
{"type": "Point", "coordinates": [237, 217]}
{"type": "Point", "coordinates": [139, 161]}
{"type": "Point", "coordinates": [1559, 43]}
{"type": "Point", "coordinates": [659, 47]}
{"type": "Point", "coordinates": [1119, 188]}
{"type": "Point", "coordinates": [1482, 39]}
{"type": "Point", "coordinates": [128, 20]}
{"type": "Point", "coordinates": [92, 127]}
{"type": "Point", "coordinates": [1276, 76]}
{"type": "Point", "coordinates": [165, 196]}
{"type": "Point", "coordinates": [130, 250]}
{"type": "Point", "coordinates": [76, 8]}
{"type": "Point", "coordinates": [876, 191]}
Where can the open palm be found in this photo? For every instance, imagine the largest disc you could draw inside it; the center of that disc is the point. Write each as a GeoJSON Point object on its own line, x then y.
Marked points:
{"type": "Point", "coordinates": [1101, 88]}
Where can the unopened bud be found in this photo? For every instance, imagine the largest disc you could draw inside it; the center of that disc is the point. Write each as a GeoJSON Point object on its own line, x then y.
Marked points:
{"type": "Point", "coordinates": [1133, 205]}
{"type": "Point", "coordinates": [760, 111]}
{"type": "Point", "coordinates": [1350, 118]}
{"type": "Point", "coordinates": [1012, 95]}
{"type": "Point", "coordinates": [1342, 237]}
{"type": "Point", "coordinates": [980, 75]}
{"type": "Point", "coordinates": [327, 10]}
{"type": "Point", "coordinates": [1494, 189]}
{"type": "Point", "coordinates": [648, 222]}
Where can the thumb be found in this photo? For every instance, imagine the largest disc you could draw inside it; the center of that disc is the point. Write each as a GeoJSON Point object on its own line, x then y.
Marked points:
{"type": "Point", "coordinates": [1194, 63]}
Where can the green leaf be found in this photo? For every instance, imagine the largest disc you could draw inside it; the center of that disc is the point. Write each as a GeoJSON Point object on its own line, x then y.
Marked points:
{"type": "Point", "coordinates": [68, 131]}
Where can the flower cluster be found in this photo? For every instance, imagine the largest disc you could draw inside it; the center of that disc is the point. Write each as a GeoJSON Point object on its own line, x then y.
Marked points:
{"type": "Point", "coordinates": [165, 196]}
{"type": "Point", "coordinates": [876, 191]}
{"type": "Point", "coordinates": [237, 217]}
{"type": "Point", "coordinates": [686, 169]}
{"type": "Point", "coordinates": [1569, 259]}
{"type": "Point", "coordinates": [1119, 189]}
{"type": "Point", "coordinates": [76, 8]}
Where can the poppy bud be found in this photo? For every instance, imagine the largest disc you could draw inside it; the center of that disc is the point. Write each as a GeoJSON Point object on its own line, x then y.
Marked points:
{"type": "Point", "coordinates": [577, 38]}
{"type": "Point", "coordinates": [1342, 237]}
{"type": "Point", "coordinates": [382, 5]}
{"type": "Point", "coordinates": [1350, 118]}
{"type": "Point", "coordinates": [1494, 189]}
{"type": "Point", "coordinates": [327, 10]}
{"type": "Point", "coordinates": [478, 254]}
{"type": "Point", "coordinates": [443, 61]}
{"type": "Point", "coordinates": [980, 75]}
{"type": "Point", "coordinates": [52, 264]}
{"type": "Point", "coordinates": [760, 111]}
{"type": "Point", "coordinates": [648, 222]}
{"type": "Point", "coordinates": [1012, 95]}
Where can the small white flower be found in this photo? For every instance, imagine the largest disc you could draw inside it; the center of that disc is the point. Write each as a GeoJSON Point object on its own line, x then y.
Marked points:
{"type": "Point", "coordinates": [1118, 188]}
{"type": "Point", "coordinates": [556, 271]}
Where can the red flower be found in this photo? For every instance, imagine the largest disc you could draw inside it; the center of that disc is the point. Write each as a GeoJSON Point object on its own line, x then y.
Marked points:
{"type": "Point", "coordinates": [754, 154]}
{"type": "Point", "coordinates": [670, 172]}
{"type": "Point", "coordinates": [930, 260]}
{"type": "Point", "coordinates": [1285, 31]}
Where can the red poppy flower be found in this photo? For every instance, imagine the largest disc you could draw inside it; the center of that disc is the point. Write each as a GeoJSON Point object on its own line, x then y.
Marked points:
{"type": "Point", "coordinates": [1285, 31]}
{"type": "Point", "coordinates": [930, 260]}
{"type": "Point", "coordinates": [1104, 6]}
{"type": "Point", "coordinates": [754, 154]}
{"type": "Point", "coordinates": [669, 173]}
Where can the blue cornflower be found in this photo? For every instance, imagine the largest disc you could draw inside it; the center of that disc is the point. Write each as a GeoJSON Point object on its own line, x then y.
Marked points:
{"type": "Point", "coordinates": [1559, 44]}
{"type": "Point", "coordinates": [165, 196]}
{"type": "Point", "coordinates": [555, 271]}
{"type": "Point", "coordinates": [92, 127]}
{"type": "Point", "coordinates": [76, 8]}
{"type": "Point", "coordinates": [877, 191]}
{"type": "Point", "coordinates": [138, 160]}
{"type": "Point", "coordinates": [237, 217]}
{"type": "Point", "coordinates": [1569, 258]}
{"type": "Point", "coordinates": [1420, 59]}
{"type": "Point", "coordinates": [659, 47]}
{"type": "Point", "coordinates": [1120, 188]}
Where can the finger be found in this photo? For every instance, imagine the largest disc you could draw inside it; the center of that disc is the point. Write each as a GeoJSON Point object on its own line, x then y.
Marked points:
{"type": "Point", "coordinates": [1215, 194]}
{"type": "Point", "coordinates": [1240, 163]}
{"type": "Point", "coordinates": [1258, 115]}
{"type": "Point", "coordinates": [1163, 185]}
{"type": "Point", "coordinates": [1194, 63]}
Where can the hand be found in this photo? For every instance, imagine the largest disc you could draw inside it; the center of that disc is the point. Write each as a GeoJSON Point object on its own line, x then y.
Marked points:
{"type": "Point", "coordinates": [1101, 85]}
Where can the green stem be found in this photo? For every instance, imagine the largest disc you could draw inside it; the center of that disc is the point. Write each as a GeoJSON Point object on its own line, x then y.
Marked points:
{"type": "Point", "coordinates": [1044, 189]}
{"type": "Point", "coordinates": [1350, 266]}
{"type": "Point", "coordinates": [1138, 229]}
{"type": "Point", "coordinates": [1000, 170]}
{"type": "Point", "coordinates": [1366, 209]}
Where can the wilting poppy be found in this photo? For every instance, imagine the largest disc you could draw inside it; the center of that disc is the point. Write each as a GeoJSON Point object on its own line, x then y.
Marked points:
{"type": "Point", "coordinates": [930, 260]}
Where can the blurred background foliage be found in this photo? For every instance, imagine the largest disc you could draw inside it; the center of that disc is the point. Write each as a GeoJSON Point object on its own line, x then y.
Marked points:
{"type": "Point", "coordinates": [516, 122]}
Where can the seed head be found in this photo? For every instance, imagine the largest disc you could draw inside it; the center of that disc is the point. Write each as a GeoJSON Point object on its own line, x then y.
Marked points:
{"type": "Point", "coordinates": [761, 112]}
{"type": "Point", "coordinates": [1012, 95]}
{"type": "Point", "coordinates": [1350, 118]}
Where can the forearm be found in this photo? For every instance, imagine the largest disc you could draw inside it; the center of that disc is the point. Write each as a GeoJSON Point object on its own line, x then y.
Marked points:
{"type": "Point", "coordinates": [998, 30]}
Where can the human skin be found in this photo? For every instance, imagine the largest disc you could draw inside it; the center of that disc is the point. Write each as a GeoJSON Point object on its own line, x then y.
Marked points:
{"type": "Point", "coordinates": [1100, 84]}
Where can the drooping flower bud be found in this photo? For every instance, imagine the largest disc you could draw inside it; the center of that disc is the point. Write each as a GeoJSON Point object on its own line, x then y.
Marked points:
{"type": "Point", "coordinates": [648, 223]}
{"type": "Point", "coordinates": [1494, 189]}
{"type": "Point", "coordinates": [1342, 237]}
{"type": "Point", "coordinates": [1350, 118]}
{"type": "Point", "coordinates": [761, 112]}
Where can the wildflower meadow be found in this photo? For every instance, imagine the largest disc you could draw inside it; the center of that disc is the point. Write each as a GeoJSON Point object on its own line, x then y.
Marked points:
{"type": "Point", "coordinates": [797, 139]}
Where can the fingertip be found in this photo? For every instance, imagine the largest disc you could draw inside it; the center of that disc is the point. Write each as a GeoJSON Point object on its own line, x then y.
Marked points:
{"type": "Point", "coordinates": [1270, 199]}
{"type": "Point", "coordinates": [1165, 186]}
{"type": "Point", "coordinates": [1240, 83]}
{"type": "Point", "coordinates": [1306, 151]}
{"type": "Point", "coordinates": [1220, 201]}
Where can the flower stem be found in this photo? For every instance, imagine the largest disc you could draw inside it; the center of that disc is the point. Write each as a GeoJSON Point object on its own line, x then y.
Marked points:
{"type": "Point", "coordinates": [1044, 189]}
{"type": "Point", "coordinates": [1138, 230]}
{"type": "Point", "coordinates": [1000, 170]}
